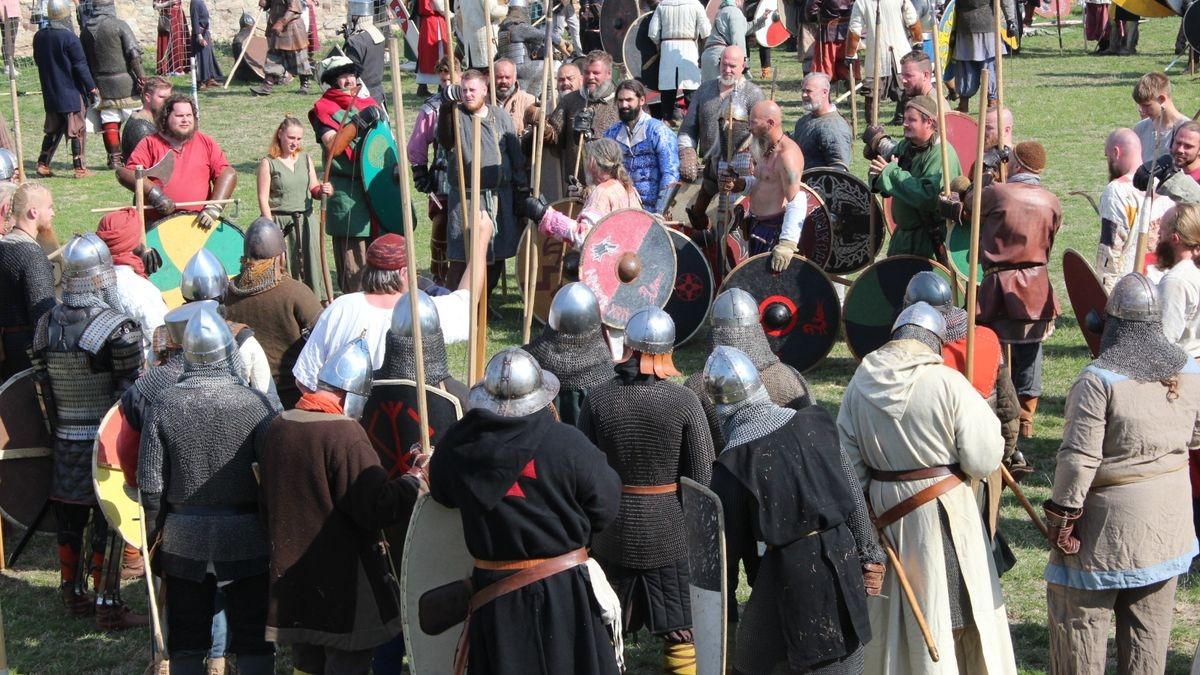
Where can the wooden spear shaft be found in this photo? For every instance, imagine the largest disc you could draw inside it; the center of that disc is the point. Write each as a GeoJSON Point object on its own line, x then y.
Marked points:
{"type": "Point", "coordinates": [853, 106]}
{"type": "Point", "coordinates": [906, 587]}
{"type": "Point", "coordinates": [1020, 495]}
{"type": "Point", "coordinates": [539, 148]}
{"type": "Point", "coordinates": [973, 256]}
{"type": "Point", "coordinates": [998, 11]}
{"type": "Point", "coordinates": [410, 250]}
{"type": "Point", "coordinates": [491, 52]}
{"type": "Point", "coordinates": [876, 59]}
{"type": "Point", "coordinates": [462, 182]}
{"type": "Point", "coordinates": [1146, 214]}
{"type": "Point", "coordinates": [940, 99]}
{"type": "Point", "coordinates": [16, 112]}
{"type": "Point", "coordinates": [139, 198]}
{"type": "Point", "coordinates": [479, 310]}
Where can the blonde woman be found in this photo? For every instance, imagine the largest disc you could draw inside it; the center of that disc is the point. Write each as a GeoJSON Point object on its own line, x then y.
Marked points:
{"type": "Point", "coordinates": [610, 188]}
{"type": "Point", "coordinates": [287, 184]}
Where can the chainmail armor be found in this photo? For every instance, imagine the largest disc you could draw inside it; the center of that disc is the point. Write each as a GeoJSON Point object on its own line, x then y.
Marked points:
{"type": "Point", "coordinates": [399, 361]}
{"type": "Point", "coordinates": [911, 332]}
{"type": "Point", "coordinates": [704, 130]}
{"type": "Point", "coordinates": [750, 340]}
{"type": "Point", "coordinates": [653, 432]}
{"type": "Point", "coordinates": [866, 540]}
{"type": "Point", "coordinates": [137, 402]}
{"type": "Point", "coordinates": [1139, 350]}
{"type": "Point", "coordinates": [25, 276]}
{"type": "Point", "coordinates": [254, 279]}
{"type": "Point", "coordinates": [956, 322]}
{"type": "Point", "coordinates": [579, 361]}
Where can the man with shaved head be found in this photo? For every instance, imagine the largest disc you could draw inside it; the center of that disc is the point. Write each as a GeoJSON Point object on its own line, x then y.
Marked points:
{"type": "Point", "coordinates": [509, 95]}
{"type": "Point", "coordinates": [997, 135]}
{"type": "Point", "coordinates": [822, 134]}
{"type": "Point", "coordinates": [777, 203]}
{"type": "Point", "coordinates": [1119, 204]}
{"type": "Point", "coordinates": [569, 78]}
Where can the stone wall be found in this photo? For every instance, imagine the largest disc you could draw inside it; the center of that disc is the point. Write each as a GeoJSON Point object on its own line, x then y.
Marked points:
{"type": "Point", "coordinates": [142, 16]}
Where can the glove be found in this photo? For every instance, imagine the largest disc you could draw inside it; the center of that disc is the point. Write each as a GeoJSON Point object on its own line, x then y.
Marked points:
{"type": "Point", "coordinates": [423, 179]}
{"type": "Point", "coordinates": [731, 182]}
{"type": "Point", "coordinates": [453, 93]}
{"type": "Point", "coordinates": [1162, 169]}
{"type": "Point", "coordinates": [533, 208]}
{"type": "Point", "coordinates": [1061, 522]}
{"type": "Point", "coordinates": [366, 118]}
{"type": "Point", "coordinates": [872, 138]}
{"type": "Point", "coordinates": [689, 164]}
{"type": "Point", "coordinates": [1018, 466]}
{"type": "Point", "coordinates": [781, 255]}
{"type": "Point", "coordinates": [1010, 28]}
{"type": "Point", "coordinates": [160, 201]}
{"type": "Point", "coordinates": [950, 208]}
{"type": "Point", "coordinates": [93, 98]}
{"type": "Point", "coordinates": [208, 217]}
{"type": "Point", "coordinates": [151, 260]}
{"type": "Point", "coordinates": [873, 578]}
{"type": "Point", "coordinates": [418, 464]}
{"type": "Point", "coordinates": [574, 189]}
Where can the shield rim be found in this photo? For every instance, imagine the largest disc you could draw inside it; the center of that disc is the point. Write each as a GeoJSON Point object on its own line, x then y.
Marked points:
{"type": "Point", "coordinates": [629, 45]}
{"type": "Point", "coordinates": [712, 285]}
{"type": "Point", "coordinates": [1196, 22]}
{"type": "Point", "coordinates": [723, 646]}
{"type": "Point", "coordinates": [845, 333]}
{"type": "Point", "coordinates": [617, 50]}
{"type": "Point", "coordinates": [813, 194]}
{"type": "Point", "coordinates": [875, 232]}
{"type": "Point", "coordinates": [115, 410]}
{"type": "Point", "coordinates": [429, 389]}
{"type": "Point", "coordinates": [655, 221]}
{"type": "Point", "coordinates": [762, 34]}
{"type": "Point", "coordinates": [47, 526]}
{"type": "Point", "coordinates": [1093, 344]}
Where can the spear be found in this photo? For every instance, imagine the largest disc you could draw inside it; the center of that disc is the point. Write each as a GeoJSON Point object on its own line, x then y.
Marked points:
{"type": "Point", "coordinates": [539, 147]}
{"type": "Point", "coordinates": [462, 179]}
{"type": "Point", "coordinates": [996, 9]}
{"type": "Point", "coordinates": [941, 119]}
{"type": "Point", "coordinates": [973, 256]}
{"type": "Point", "coordinates": [877, 62]}
{"type": "Point", "coordinates": [16, 109]}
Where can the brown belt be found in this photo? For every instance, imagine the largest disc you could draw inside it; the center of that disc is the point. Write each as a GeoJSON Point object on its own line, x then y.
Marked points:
{"type": "Point", "coordinates": [664, 489]}
{"type": "Point", "coordinates": [954, 478]}
{"type": "Point", "coordinates": [541, 569]}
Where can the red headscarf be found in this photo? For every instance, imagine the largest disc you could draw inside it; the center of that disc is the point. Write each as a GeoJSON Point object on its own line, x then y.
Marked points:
{"type": "Point", "coordinates": [122, 233]}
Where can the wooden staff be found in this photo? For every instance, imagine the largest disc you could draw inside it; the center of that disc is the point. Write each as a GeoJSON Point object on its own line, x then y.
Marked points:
{"type": "Point", "coordinates": [906, 587]}
{"type": "Point", "coordinates": [245, 48]}
{"type": "Point", "coordinates": [1020, 495]}
{"type": "Point", "coordinates": [853, 106]}
{"type": "Point", "coordinates": [973, 256]}
{"type": "Point", "coordinates": [491, 50]}
{"type": "Point", "coordinates": [136, 178]}
{"type": "Point", "coordinates": [156, 628]}
{"type": "Point", "coordinates": [1058, 24]}
{"type": "Point", "coordinates": [997, 10]}
{"type": "Point", "coordinates": [877, 61]}
{"type": "Point", "coordinates": [479, 307]}
{"type": "Point", "coordinates": [1146, 214]}
{"type": "Point", "coordinates": [724, 217]}
{"type": "Point", "coordinates": [943, 143]}
{"type": "Point", "coordinates": [462, 179]}
{"type": "Point", "coordinates": [539, 148]}
{"type": "Point", "coordinates": [410, 251]}
{"type": "Point", "coordinates": [16, 113]}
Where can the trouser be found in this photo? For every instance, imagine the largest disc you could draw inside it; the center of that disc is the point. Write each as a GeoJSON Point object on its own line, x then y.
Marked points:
{"type": "Point", "coordinates": [349, 256]}
{"type": "Point", "coordinates": [318, 660]}
{"type": "Point", "coordinates": [967, 77]}
{"type": "Point", "coordinates": [280, 63]}
{"type": "Point", "coordinates": [1079, 624]}
{"type": "Point", "coordinates": [190, 618]}
{"type": "Point", "coordinates": [668, 104]}
{"type": "Point", "coordinates": [388, 657]}
{"type": "Point", "coordinates": [220, 627]}
{"type": "Point", "coordinates": [1026, 368]}
{"type": "Point", "coordinates": [72, 522]}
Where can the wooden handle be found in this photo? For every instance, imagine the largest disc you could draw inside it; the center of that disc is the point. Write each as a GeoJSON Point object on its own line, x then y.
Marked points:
{"type": "Point", "coordinates": [1020, 495]}
{"type": "Point", "coordinates": [906, 587]}
{"type": "Point", "coordinates": [973, 255]}
{"type": "Point", "coordinates": [138, 198]}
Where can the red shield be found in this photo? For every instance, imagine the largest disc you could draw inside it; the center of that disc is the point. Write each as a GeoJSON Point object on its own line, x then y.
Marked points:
{"type": "Point", "coordinates": [628, 262]}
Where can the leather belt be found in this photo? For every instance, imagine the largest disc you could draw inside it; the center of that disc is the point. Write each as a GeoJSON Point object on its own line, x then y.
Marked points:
{"type": "Point", "coordinates": [913, 474]}
{"type": "Point", "coordinates": [541, 569]}
{"type": "Point", "coordinates": [954, 478]}
{"type": "Point", "coordinates": [664, 489]}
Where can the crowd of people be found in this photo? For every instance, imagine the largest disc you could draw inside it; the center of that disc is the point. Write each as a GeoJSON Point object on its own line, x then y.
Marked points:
{"type": "Point", "coordinates": [264, 495]}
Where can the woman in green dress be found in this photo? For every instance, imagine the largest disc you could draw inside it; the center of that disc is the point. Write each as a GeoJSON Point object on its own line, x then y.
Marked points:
{"type": "Point", "coordinates": [287, 184]}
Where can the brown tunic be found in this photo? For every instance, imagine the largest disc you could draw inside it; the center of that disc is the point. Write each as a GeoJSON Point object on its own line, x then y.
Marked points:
{"type": "Point", "coordinates": [280, 317]}
{"type": "Point", "coordinates": [285, 29]}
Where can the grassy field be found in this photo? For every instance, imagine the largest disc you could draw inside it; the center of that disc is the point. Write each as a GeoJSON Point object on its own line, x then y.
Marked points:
{"type": "Point", "coordinates": [1069, 101]}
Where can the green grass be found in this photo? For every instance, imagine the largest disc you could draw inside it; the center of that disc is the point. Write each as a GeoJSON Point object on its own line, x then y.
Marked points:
{"type": "Point", "coordinates": [1068, 101]}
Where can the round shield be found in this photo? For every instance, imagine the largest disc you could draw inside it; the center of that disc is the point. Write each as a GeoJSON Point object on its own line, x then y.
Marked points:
{"type": "Point", "coordinates": [616, 16]}
{"type": "Point", "coordinates": [1087, 295]}
{"type": "Point", "coordinates": [799, 308]}
{"type": "Point", "coordinates": [958, 248]}
{"type": "Point", "coordinates": [26, 455]}
{"type": "Point", "coordinates": [549, 261]}
{"type": "Point", "coordinates": [1053, 9]}
{"type": "Point", "coordinates": [640, 53]}
{"type": "Point", "coordinates": [115, 455]}
{"type": "Point", "coordinates": [875, 299]}
{"type": "Point", "coordinates": [628, 260]}
{"type": "Point", "coordinates": [855, 239]}
{"type": "Point", "coordinates": [255, 59]}
{"type": "Point", "coordinates": [962, 131]}
{"type": "Point", "coordinates": [945, 30]}
{"type": "Point", "coordinates": [774, 33]}
{"type": "Point", "coordinates": [1191, 26]}
{"type": "Point", "coordinates": [816, 239]}
{"type": "Point", "coordinates": [693, 293]}
{"type": "Point", "coordinates": [177, 238]}
{"type": "Point", "coordinates": [377, 160]}
{"type": "Point", "coordinates": [1151, 9]}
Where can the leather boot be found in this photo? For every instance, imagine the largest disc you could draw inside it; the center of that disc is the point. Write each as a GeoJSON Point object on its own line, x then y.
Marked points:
{"type": "Point", "coordinates": [115, 616]}
{"type": "Point", "coordinates": [81, 171]}
{"type": "Point", "coordinates": [263, 89]}
{"type": "Point", "coordinates": [133, 566]}
{"type": "Point", "coordinates": [49, 145]}
{"type": "Point", "coordinates": [75, 598]}
{"type": "Point", "coordinates": [767, 71]}
{"type": "Point", "coordinates": [304, 80]}
{"type": "Point", "coordinates": [1028, 408]}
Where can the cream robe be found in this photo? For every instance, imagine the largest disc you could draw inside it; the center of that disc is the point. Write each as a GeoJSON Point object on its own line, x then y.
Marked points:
{"type": "Point", "coordinates": [894, 18]}
{"type": "Point", "coordinates": [905, 410]}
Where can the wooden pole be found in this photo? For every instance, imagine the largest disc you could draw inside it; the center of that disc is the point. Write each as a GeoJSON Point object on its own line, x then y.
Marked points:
{"type": "Point", "coordinates": [491, 47]}
{"type": "Point", "coordinates": [539, 148]}
{"type": "Point", "coordinates": [245, 47]}
{"type": "Point", "coordinates": [906, 587]}
{"type": "Point", "coordinates": [1146, 214]}
{"type": "Point", "coordinates": [462, 179]}
{"type": "Point", "coordinates": [876, 60]}
{"type": "Point", "coordinates": [156, 628]}
{"type": "Point", "coordinates": [973, 256]}
{"type": "Point", "coordinates": [411, 255]}
{"type": "Point", "coordinates": [1020, 495]}
{"type": "Point", "coordinates": [853, 107]}
{"type": "Point", "coordinates": [940, 99]}
{"type": "Point", "coordinates": [998, 11]}
{"type": "Point", "coordinates": [1058, 24]}
{"type": "Point", "coordinates": [16, 109]}
{"type": "Point", "coordinates": [139, 197]}
{"type": "Point", "coordinates": [479, 306]}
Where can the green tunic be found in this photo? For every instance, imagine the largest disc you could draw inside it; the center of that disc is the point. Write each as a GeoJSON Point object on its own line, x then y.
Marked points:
{"type": "Point", "coordinates": [288, 195]}
{"type": "Point", "coordinates": [914, 183]}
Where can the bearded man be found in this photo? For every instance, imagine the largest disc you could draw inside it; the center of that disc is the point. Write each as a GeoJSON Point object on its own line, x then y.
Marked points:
{"type": "Point", "coordinates": [87, 353]}
{"type": "Point", "coordinates": [201, 174]}
{"type": "Point", "coordinates": [115, 58]}
{"type": "Point", "coordinates": [155, 91]}
{"type": "Point", "coordinates": [822, 134]}
{"type": "Point", "coordinates": [1119, 205]}
{"type": "Point", "coordinates": [1119, 510]}
{"type": "Point", "coordinates": [703, 134]}
{"type": "Point", "coordinates": [517, 102]}
{"type": "Point", "coordinates": [26, 277]}
{"type": "Point", "coordinates": [582, 116]}
{"type": "Point", "coordinates": [729, 30]}
{"type": "Point", "coordinates": [916, 77]}
{"type": "Point", "coordinates": [399, 355]}
{"type": "Point", "coordinates": [777, 204]}
{"type": "Point", "coordinates": [568, 79]}
{"type": "Point", "coordinates": [287, 46]}
{"type": "Point", "coordinates": [280, 310]}
{"type": "Point", "coordinates": [650, 148]}
{"type": "Point", "coordinates": [572, 346]}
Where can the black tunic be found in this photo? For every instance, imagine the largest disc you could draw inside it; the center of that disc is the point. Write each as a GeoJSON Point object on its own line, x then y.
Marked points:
{"type": "Point", "coordinates": [788, 489]}
{"type": "Point", "coordinates": [529, 487]}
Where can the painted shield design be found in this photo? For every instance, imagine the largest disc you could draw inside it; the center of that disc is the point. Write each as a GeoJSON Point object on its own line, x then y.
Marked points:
{"type": "Point", "coordinates": [704, 520]}
{"type": "Point", "coordinates": [775, 32]}
{"type": "Point", "coordinates": [1087, 295]}
{"type": "Point", "coordinates": [628, 261]}
{"type": "Point", "coordinates": [549, 262]}
{"type": "Point", "coordinates": [377, 160]}
{"type": "Point", "coordinates": [178, 238]}
{"type": "Point", "coordinates": [115, 457]}
{"type": "Point", "coordinates": [692, 296]}
{"type": "Point", "coordinates": [26, 454]}
{"type": "Point", "coordinates": [875, 299]}
{"type": "Point", "coordinates": [799, 308]}
{"type": "Point", "coordinates": [855, 239]}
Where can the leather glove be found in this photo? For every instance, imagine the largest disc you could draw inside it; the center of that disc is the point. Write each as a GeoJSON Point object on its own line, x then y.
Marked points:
{"type": "Point", "coordinates": [689, 164]}
{"type": "Point", "coordinates": [873, 578]}
{"type": "Point", "coordinates": [950, 208]}
{"type": "Point", "coordinates": [423, 179]}
{"type": "Point", "coordinates": [1010, 27]}
{"type": "Point", "coordinates": [151, 260]}
{"type": "Point", "coordinates": [418, 464]}
{"type": "Point", "coordinates": [453, 93]}
{"type": "Point", "coordinates": [729, 181]}
{"type": "Point", "coordinates": [160, 201]}
{"type": "Point", "coordinates": [1162, 169]}
{"type": "Point", "coordinates": [1061, 522]}
{"type": "Point", "coordinates": [533, 208]}
{"type": "Point", "coordinates": [1018, 466]}
{"type": "Point", "coordinates": [209, 216]}
{"type": "Point", "coordinates": [366, 118]}
{"type": "Point", "coordinates": [871, 137]}
{"type": "Point", "coordinates": [781, 255]}
{"type": "Point", "coordinates": [574, 189]}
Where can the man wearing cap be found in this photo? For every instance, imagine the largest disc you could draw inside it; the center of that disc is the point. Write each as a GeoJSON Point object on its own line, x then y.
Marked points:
{"type": "Point", "coordinates": [347, 218]}
{"type": "Point", "coordinates": [910, 172]}
{"type": "Point", "coordinates": [1018, 221]}
{"type": "Point", "coordinates": [822, 134]}
{"type": "Point", "coordinates": [134, 262]}
{"type": "Point", "coordinates": [325, 499]}
{"type": "Point", "coordinates": [784, 480]}
{"type": "Point", "coordinates": [653, 432]}
{"type": "Point", "coordinates": [1119, 516]}
{"type": "Point", "coordinates": [917, 433]}
{"type": "Point", "coordinates": [287, 46]}
{"type": "Point", "coordinates": [533, 493]}
{"type": "Point", "coordinates": [384, 281]}
{"type": "Point", "coordinates": [279, 309]}
{"type": "Point", "coordinates": [26, 277]}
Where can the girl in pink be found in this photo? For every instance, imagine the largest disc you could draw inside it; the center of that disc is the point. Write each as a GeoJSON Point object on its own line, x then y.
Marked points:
{"type": "Point", "coordinates": [609, 189]}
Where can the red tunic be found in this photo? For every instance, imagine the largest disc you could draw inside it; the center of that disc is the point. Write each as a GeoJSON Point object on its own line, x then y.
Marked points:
{"type": "Point", "coordinates": [197, 165]}
{"type": "Point", "coordinates": [432, 43]}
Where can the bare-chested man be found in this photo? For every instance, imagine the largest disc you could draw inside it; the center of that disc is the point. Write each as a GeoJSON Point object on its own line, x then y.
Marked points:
{"type": "Point", "coordinates": [777, 204]}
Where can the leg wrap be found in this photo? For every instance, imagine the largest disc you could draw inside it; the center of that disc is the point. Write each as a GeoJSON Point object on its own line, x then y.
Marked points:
{"type": "Point", "coordinates": [679, 658]}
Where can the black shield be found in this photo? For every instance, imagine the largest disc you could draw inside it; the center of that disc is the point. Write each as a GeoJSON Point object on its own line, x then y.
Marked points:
{"type": "Point", "coordinates": [26, 454]}
{"type": "Point", "coordinates": [856, 238]}
{"type": "Point", "coordinates": [616, 17]}
{"type": "Point", "coordinates": [876, 298]}
{"type": "Point", "coordinates": [693, 293]}
{"type": "Point", "coordinates": [641, 53]}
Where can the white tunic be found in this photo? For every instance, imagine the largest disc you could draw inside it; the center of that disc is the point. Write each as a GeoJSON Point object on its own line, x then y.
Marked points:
{"type": "Point", "coordinates": [1179, 296]}
{"type": "Point", "coordinates": [142, 301]}
{"type": "Point", "coordinates": [905, 410]}
{"type": "Point", "coordinates": [895, 16]}
{"type": "Point", "coordinates": [675, 27]}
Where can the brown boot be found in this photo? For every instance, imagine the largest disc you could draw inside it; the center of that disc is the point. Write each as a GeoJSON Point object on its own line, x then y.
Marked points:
{"type": "Point", "coordinates": [767, 72]}
{"type": "Point", "coordinates": [75, 601]}
{"type": "Point", "coordinates": [116, 615]}
{"type": "Point", "coordinates": [132, 564]}
{"type": "Point", "coordinates": [44, 171]}
{"type": "Point", "coordinates": [1028, 409]}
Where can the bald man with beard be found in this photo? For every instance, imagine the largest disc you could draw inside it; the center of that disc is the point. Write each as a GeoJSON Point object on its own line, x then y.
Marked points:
{"type": "Point", "coordinates": [1119, 204]}
{"type": "Point", "coordinates": [777, 204]}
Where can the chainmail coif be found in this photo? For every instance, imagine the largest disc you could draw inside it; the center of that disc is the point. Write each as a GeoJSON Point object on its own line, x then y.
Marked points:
{"type": "Point", "coordinates": [749, 339]}
{"type": "Point", "coordinates": [1139, 350]}
{"type": "Point", "coordinates": [399, 359]}
{"type": "Point", "coordinates": [579, 361]}
{"type": "Point", "coordinates": [922, 335]}
{"type": "Point", "coordinates": [956, 322]}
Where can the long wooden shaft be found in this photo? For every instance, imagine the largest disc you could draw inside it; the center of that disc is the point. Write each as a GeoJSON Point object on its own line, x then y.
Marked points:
{"type": "Point", "coordinates": [906, 587]}
{"type": "Point", "coordinates": [853, 107]}
{"type": "Point", "coordinates": [156, 629]}
{"type": "Point", "coordinates": [139, 198]}
{"type": "Point", "coordinates": [998, 11]}
{"type": "Point", "coordinates": [245, 48]}
{"type": "Point", "coordinates": [1058, 24]}
{"type": "Point", "coordinates": [461, 178]}
{"type": "Point", "coordinates": [1020, 495]}
{"type": "Point", "coordinates": [940, 99]}
{"type": "Point", "coordinates": [973, 255]}
{"type": "Point", "coordinates": [410, 248]}
{"type": "Point", "coordinates": [876, 59]}
{"type": "Point", "coordinates": [539, 149]}
{"type": "Point", "coordinates": [1146, 214]}
{"type": "Point", "coordinates": [491, 50]}
{"type": "Point", "coordinates": [479, 310]}
{"type": "Point", "coordinates": [204, 202]}
{"type": "Point", "coordinates": [16, 113]}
